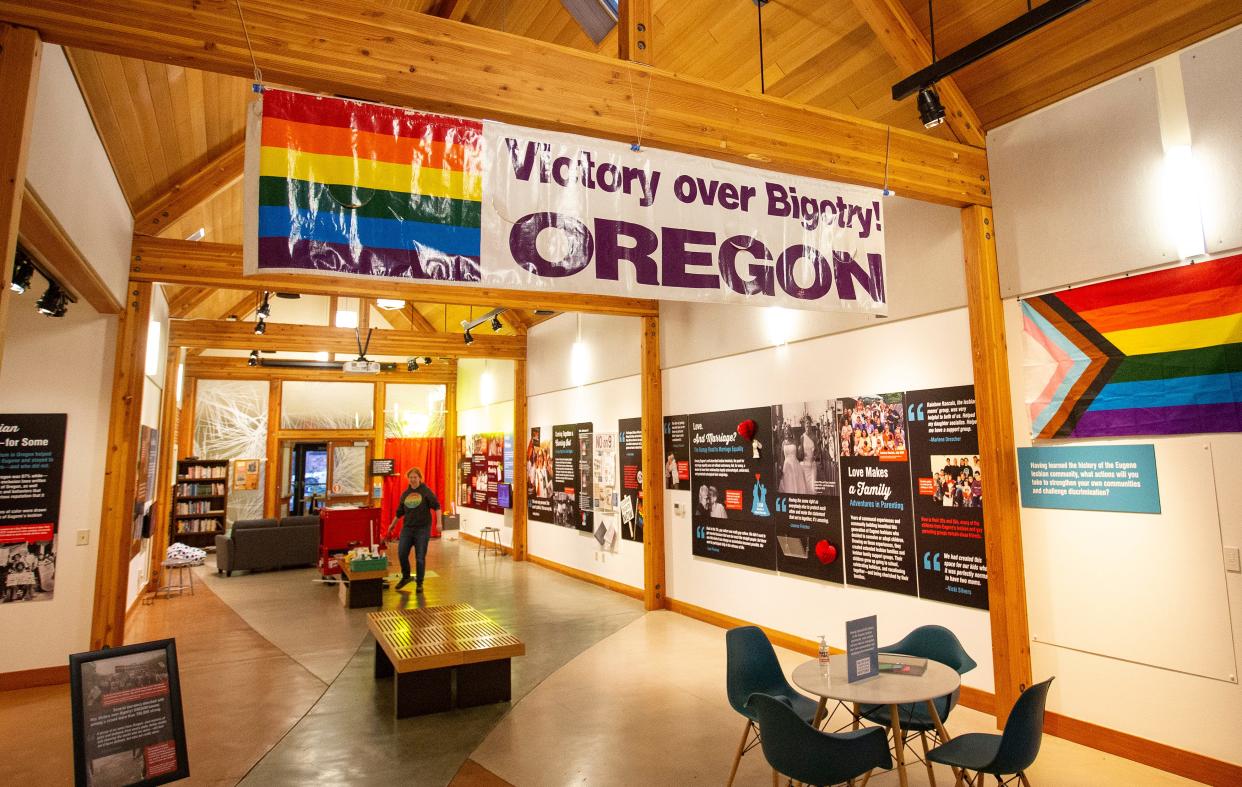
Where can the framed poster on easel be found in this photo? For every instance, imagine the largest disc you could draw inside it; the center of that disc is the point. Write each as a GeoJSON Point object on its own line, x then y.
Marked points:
{"type": "Point", "coordinates": [127, 723]}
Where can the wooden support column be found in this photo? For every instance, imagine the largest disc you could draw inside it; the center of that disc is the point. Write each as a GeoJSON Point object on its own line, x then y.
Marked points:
{"type": "Point", "coordinates": [653, 479]}
{"type": "Point", "coordinates": [1011, 649]}
{"type": "Point", "coordinates": [271, 477]}
{"type": "Point", "coordinates": [164, 474]}
{"type": "Point", "coordinates": [20, 51]}
{"type": "Point", "coordinates": [520, 435]}
{"type": "Point", "coordinates": [120, 470]}
{"type": "Point", "coordinates": [185, 417]}
{"type": "Point", "coordinates": [634, 31]}
{"type": "Point", "coordinates": [450, 446]}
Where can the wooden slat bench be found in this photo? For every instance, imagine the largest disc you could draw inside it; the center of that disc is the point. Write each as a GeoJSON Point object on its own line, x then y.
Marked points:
{"type": "Point", "coordinates": [438, 652]}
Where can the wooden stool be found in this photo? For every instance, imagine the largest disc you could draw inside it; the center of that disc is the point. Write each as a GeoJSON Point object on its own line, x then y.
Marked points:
{"type": "Point", "coordinates": [489, 538]}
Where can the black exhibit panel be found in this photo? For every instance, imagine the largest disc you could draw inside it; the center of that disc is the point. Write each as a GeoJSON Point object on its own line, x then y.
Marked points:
{"type": "Point", "coordinates": [807, 503]}
{"type": "Point", "coordinates": [732, 493]}
{"type": "Point", "coordinates": [630, 435]}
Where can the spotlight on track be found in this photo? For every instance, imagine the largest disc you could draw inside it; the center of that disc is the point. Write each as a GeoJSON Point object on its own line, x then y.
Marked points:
{"type": "Point", "coordinates": [468, 338]}
{"type": "Point", "coordinates": [411, 365]}
{"type": "Point", "coordinates": [265, 308]}
{"type": "Point", "coordinates": [426, 360]}
{"type": "Point", "coordinates": [54, 302]}
{"type": "Point", "coordinates": [931, 112]}
{"type": "Point", "coordinates": [496, 325]}
{"type": "Point", "coordinates": [260, 327]}
{"type": "Point", "coordinates": [253, 360]}
{"type": "Point", "coordinates": [23, 270]}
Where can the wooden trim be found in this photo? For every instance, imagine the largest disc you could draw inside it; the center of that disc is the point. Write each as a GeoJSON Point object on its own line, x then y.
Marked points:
{"type": "Point", "coordinates": [389, 54]}
{"type": "Point", "coordinates": [1011, 640]}
{"type": "Point", "coordinates": [978, 699]}
{"type": "Point", "coordinates": [520, 435]}
{"type": "Point", "coordinates": [1192, 765]}
{"type": "Point", "coordinates": [781, 639]}
{"type": "Point", "coordinates": [168, 261]}
{"type": "Point", "coordinates": [234, 335]}
{"type": "Point", "coordinates": [271, 475]}
{"type": "Point", "coordinates": [586, 576]}
{"type": "Point", "coordinates": [653, 476]}
{"type": "Point", "coordinates": [452, 9]}
{"type": "Point", "coordinates": [215, 367]}
{"type": "Point", "coordinates": [20, 53]}
{"type": "Point", "coordinates": [164, 484]}
{"type": "Point", "coordinates": [115, 521]}
{"type": "Point", "coordinates": [186, 416]}
{"type": "Point", "coordinates": [450, 445]}
{"type": "Point", "coordinates": [33, 678]}
{"type": "Point", "coordinates": [906, 44]}
{"type": "Point", "coordinates": [205, 181]}
{"type": "Point", "coordinates": [473, 539]}
{"type": "Point", "coordinates": [325, 434]}
{"type": "Point", "coordinates": [634, 31]}
{"type": "Point", "coordinates": [43, 237]}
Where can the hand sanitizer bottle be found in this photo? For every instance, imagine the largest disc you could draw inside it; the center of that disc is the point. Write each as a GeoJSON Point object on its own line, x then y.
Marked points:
{"type": "Point", "coordinates": [823, 657]}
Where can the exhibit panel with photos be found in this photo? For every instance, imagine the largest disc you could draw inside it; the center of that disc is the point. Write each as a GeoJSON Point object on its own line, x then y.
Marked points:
{"type": "Point", "coordinates": [485, 462]}
{"type": "Point", "coordinates": [32, 456]}
{"type": "Point", "coordinates": [870, 490]}
{"type": "Point", "coordinates": [630, 437]}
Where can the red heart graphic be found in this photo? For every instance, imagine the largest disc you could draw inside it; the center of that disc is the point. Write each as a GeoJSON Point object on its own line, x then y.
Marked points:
{"type": "Point", "coordinates": [747, 429]}
{"type": "Point", "coordinates": [826, 552]}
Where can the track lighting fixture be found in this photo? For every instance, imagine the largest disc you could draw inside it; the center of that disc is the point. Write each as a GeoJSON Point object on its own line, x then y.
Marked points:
{"type": "Point", "coordinates": [426, 360]}
{"type": "Point", "coordinates": [260, 327]}
{"type": "Point", "coordinates": [23, 270]}
{"type": "Point", "coordinates": [265, 308]}
{"type": "Point", "coordinates": [496, 325]}
{"type": "Point", "coordinates": [468, 338]}
{"type": "Point", "coordinates": [54, 302]}
{"type": "Point", "coordinates": [931, 112]}
{"type": "Point", "coordinates": [254, 358]}
{"type": "Point", "coordinates": [411, 365]}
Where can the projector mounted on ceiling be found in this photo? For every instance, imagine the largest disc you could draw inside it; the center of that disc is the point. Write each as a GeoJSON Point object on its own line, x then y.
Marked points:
{"type": "Point", "coordinates": [361, 365]}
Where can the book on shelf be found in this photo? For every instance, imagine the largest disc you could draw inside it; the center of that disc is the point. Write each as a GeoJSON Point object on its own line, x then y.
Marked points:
{"type": "Point", "coordinates": [185, 507]}
{"type": "Point", "coordinates": [198, 526]}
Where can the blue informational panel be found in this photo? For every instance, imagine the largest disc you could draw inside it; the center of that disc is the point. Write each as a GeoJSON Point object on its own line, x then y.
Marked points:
{"type": "Point", "coordinates": [862, 655]}
{"type": "Point", "coordinates": [1090, 478]}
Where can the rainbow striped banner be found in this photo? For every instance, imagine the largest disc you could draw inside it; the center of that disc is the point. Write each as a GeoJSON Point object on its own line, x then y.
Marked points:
{"type": "Point", "coordinates": [1159, 353]}
{"type": "Point", "coordinates": [347, 186]}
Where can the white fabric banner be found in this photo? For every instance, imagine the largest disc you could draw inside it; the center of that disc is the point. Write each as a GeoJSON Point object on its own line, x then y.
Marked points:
{"type": "Point", "coordinates": [570, 213]}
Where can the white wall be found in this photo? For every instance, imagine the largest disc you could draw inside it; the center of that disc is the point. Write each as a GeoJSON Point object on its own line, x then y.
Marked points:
{"type": "Point", "coordinates": [890, 356]}
{"type": "Point", "coordinates": [65, 365]}
{"type": "Point", "coordinates": [611, 390]}
{"type": "Point", "coordinates": [61, 366]}
{"type": "Point", "coordinates": [152, 401]}
{"type": "Point", "coordinates": [1077, 198]}
{"type": "Point", "coordinates": [69, 170]}
{"type": "Point", "coordinates": [485, 404]}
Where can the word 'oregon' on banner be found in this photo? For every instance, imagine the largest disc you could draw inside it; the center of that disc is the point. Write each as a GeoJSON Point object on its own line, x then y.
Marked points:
{"type": "Point", "coordinates": [336, 186]}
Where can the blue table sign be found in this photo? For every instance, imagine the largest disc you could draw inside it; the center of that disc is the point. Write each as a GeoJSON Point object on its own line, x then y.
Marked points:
{"type": "Point", "coordinates": [862, 655]}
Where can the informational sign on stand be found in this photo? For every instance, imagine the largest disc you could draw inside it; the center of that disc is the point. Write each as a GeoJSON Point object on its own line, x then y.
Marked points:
{"type": "Point", "coordinates": [862, 655]}
{"type": "Point", "coordinates": [32, 457]}
{"type": "Point", "coordinates": [128, 727]}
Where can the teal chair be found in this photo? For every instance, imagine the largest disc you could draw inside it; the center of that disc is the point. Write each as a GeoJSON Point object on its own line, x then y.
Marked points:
{"type": "Point", "coordinates": [935, 643]}
{"type": "Point", "coordinates": [752, 668]}
{"type": "Point", "coordinates": [806, 755]}
{"type": "Point", "coordinates": [1013, 751]}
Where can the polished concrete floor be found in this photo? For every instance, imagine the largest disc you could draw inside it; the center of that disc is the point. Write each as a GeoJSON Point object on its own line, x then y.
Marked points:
{"type": "Point", "coordinates": [278, 690]}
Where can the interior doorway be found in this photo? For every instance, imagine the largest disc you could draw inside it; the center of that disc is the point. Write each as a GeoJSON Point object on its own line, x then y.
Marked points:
{"type": "Point", "coordinates": [308, 479]}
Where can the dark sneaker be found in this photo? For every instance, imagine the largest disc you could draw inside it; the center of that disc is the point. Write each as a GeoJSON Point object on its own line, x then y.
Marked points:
{"type": "Point", "coordinates": [404, 581]}
{"type": "Point", "coordinates": [418, 588]}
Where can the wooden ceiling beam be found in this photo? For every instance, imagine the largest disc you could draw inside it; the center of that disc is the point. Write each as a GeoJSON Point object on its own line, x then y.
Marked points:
{"type": "Point", "coordinates": [234, 335]}
{"type": "Point", "coordinates": [170, 261]}
{"type": "Point", "coordinates": [452, 9]}
{"type": "Point", "coordinates": [205, 182]}
{"type": "Point", "coordinates": [634, 19]}
{"type": "Point", "coordinates": [41, 234]}
{"type": "Point", "coordinates": [906, 44]}
{"type": "Point", "coordinates": [417, 60]}
{"type": "Point", "coordinates": [517, 319]}
{"type": "Point", "coordinates": [215, 367]}
{"type": "Point", "coordinates": [417, 319]}
{"type": "Point", "coordinates": [188, 299]}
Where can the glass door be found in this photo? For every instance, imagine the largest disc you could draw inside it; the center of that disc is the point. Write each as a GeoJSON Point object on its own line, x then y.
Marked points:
{"type": "Point", "coordinates": [308, 478]}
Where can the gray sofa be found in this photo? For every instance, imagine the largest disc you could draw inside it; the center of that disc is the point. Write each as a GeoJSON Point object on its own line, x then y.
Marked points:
{"type": "Point", "coordinates": [254, 544]}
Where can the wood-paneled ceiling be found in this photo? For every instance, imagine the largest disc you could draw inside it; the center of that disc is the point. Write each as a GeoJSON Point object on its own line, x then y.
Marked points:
{"type": "Point", "coordinates": [161, 123]}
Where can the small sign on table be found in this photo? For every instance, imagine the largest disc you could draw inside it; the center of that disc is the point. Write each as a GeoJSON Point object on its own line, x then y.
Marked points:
{"type": "Point", "coordinates": [862, 655]}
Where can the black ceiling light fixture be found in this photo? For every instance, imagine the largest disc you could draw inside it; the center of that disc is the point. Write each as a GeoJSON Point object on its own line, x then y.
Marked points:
{"type": "Point", "coordinates": [54, 302]}
{"type": "Point", "coordinates": [496, 324]}
{"type": "Point", "coordinates": [265, 307]}
{"type": "Point", "coordinates": [260, 327]}
{"type": "Point", "coordinates": [411, 365]}
{"type": "Point", "coordinates": [253, 360]}
{"type": "Point", "coordinates": [467, 337]}
{"type": "Point", "coordinates": [426, 360]}
{"type": "Point", "coordinates": [23, 271]}
{"type": "Point", "coordinates": [931, 111]}
{"type": "Point", "coordinates": [922, 81]}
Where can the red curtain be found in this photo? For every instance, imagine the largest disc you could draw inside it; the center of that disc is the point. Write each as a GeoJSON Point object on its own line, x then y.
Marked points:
{"type": "Point", "coordinates": [425, 453]}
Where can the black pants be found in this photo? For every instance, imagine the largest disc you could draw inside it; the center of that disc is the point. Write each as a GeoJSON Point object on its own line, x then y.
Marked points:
{"type": "Point", "coordinates": [416, 537]}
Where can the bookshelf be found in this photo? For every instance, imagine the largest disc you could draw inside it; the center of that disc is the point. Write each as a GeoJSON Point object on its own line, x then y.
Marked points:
{"type": "Point", "coordinates": [200, 501]}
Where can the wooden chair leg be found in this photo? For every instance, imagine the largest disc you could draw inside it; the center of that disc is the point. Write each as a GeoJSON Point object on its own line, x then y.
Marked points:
{"type": "Point", "coordinates": [931, 774]}
{"type": "Point", "coordinates": [958, 782]}
{"type": "Point", "coordinates": [737, 758]}
{"type": "Point", "coordinates": [1022, 780]}
{"type": "Point", "coordinates": [776, 778]}
{"type": "Point", "coordinates": [867, 778]}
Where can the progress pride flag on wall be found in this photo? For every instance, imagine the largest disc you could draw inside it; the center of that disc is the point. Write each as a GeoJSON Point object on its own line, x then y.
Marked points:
{"type": "Point", "coordinates": [347, 187]}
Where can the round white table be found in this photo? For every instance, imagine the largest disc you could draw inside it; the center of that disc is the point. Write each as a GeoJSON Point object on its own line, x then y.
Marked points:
{"type": "Point", "coordinates": [884, 689]}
